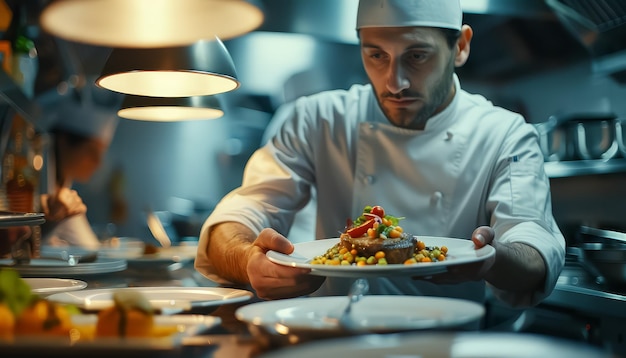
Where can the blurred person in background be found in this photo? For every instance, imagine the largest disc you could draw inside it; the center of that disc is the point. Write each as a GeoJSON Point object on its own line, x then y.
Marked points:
{"type": "Point", "coordinates": [80, 136]}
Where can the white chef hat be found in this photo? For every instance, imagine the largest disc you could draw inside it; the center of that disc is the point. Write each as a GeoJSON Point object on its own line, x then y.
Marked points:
{"type": "Point", "coordinates": [400, 13]}
{"type": "Point", "coordinates": [86, 119]}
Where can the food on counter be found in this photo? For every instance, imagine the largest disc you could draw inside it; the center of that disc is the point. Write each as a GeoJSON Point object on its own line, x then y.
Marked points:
{"type": "Point", "coordinates": [25, 313]}
{"type": "Point", "coordinates": [44, 318]}
{"type": "Point", "coordinates": [130, 316]}
{"type": "Point", "coordinates": [7, 322]}
{"type": "Point", "coordinates": [375, 238]}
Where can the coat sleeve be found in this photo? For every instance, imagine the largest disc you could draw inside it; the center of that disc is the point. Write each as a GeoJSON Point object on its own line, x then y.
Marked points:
{"type": "Point", "coordinates": [521, 209]}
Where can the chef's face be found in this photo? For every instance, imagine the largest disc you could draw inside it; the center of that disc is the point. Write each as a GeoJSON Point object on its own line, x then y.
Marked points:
{"type": "Point", "coordinates": [411, 70]}
{"type": "Point", "coordinates": [82, 159]}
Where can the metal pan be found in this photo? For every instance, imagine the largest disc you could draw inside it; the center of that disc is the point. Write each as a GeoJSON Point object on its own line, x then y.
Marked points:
{"type": "Point", "coordinates": [603, 254]}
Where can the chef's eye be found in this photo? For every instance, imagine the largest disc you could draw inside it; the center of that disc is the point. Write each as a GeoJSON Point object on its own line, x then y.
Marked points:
{"type": "Point", "coordinates": [417, 56]}
{"type": "Point", "coordinates": [376, 56]}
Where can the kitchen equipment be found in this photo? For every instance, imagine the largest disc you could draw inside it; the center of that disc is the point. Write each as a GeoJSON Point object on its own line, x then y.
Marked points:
{"type": "Point", "coordinates": [593, 135]}
{"type": "Point", "coordinates": [579, 136]}
{"type": "Point", "coordinates": [603, 254]}
{"type": "Point", "coordinates": [620, 135]}
{"type": "Point", "coordinates": [552, 140]}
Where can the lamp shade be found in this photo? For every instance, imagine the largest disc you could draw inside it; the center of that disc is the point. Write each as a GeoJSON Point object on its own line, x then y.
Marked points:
{"type": "Point", "coordinates": [148, 23]}
{"type": "Point", "coordinates": [203, 68]}
{"type": "Point", "coordinates": [170, 109]}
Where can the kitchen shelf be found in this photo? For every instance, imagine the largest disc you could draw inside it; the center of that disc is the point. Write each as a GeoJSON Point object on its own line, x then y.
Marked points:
{"type": "Point", "coordinates": [584, 167]}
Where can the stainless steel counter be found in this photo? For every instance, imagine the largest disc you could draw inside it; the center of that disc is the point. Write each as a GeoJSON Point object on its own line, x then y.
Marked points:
{"type": "Point", "coordinates": [599, 308]}
{"type": "Point", "coordinates": [576, 289]}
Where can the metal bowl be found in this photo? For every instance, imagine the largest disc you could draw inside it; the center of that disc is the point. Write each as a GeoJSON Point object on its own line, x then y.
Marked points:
{"type": "Point", "coordinates": [620, 135]}
{"type": "Point", "coordinates": [594, 138]}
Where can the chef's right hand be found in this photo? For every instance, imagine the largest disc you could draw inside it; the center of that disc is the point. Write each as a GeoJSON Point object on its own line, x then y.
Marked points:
{"type": "Point", "coordinates": [66, 202]}
{"type": "Point", "coordinates": [274, 281]}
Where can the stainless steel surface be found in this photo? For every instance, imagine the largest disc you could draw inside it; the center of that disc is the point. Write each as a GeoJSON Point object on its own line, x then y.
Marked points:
{"type": "Point", "coordinates": [577, 289]}
{"type": "Point", "coordinates": [601, 234]}
{"type": "Point", "coordinates": [601, 306]}
{"type": "Point", "coordinates": [574, 168]}
{"type": "Point", "coordinates": [600, 25]}
{"type": "Point", "coordinates": [620, 135]}
{"type": "Point", "coordinates": [359, 288]}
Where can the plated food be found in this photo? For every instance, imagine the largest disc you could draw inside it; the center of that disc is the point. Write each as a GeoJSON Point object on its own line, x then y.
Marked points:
{"type": "Point", "coordinates": [159, 298]}
{"type": "Point", "coordinates": [376, 238]}
{"type": "Point", "coordinates": [28, 320]}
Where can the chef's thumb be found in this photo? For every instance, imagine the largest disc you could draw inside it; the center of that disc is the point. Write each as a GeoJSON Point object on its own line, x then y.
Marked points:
{"type": "Point", "coordinates": [270, 239]}
{"type": "Point", "coordinates": [482, 236]}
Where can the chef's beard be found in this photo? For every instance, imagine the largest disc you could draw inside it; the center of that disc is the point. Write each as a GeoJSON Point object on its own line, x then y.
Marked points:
{"type": "Point", "coordinates": [438, 96]}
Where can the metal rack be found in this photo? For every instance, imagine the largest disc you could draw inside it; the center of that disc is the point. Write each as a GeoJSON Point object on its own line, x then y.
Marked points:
{"type": "Point", "coordinates": [584, 167]}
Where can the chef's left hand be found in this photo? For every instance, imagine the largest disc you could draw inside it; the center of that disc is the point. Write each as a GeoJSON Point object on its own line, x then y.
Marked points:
{"type": "Point", "coordinates": [473, 271]}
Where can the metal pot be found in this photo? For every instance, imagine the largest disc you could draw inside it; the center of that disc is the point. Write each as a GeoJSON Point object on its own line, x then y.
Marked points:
{"type": "Point", "coordinates": [593, 136]}
{"type": "Point", "coordinates": [620, 135]}
{"type": "Point", "coordinates": [552, 140]}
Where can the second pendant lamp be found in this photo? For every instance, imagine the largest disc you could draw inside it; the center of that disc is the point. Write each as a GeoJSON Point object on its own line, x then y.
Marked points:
{"type": "Point", "coordinates": [203, 68]}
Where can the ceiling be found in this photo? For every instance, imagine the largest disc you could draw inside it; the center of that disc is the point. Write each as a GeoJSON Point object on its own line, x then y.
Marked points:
{"type": "Point", "coordinates": [301, 39]}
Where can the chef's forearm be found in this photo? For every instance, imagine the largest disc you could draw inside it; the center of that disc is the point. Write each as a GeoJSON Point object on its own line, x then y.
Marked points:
{"type": "Point", "coordinates": [518, 267]}
{"type": "Point", "coordinates": [228, 250]}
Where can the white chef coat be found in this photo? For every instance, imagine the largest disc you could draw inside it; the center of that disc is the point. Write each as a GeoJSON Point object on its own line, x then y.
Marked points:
{"type": "Point", "coordinates": [474, 164]}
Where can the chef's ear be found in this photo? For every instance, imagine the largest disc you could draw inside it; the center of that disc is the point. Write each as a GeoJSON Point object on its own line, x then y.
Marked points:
{"type": "Point", "coordinates": [463, 46]}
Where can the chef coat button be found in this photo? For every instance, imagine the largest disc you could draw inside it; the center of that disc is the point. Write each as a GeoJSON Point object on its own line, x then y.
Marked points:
{"type": "Point", "coordinates": [436, 197]}
{"type": "Point", "coordinates": [448, 136]}
{"type": "Point", "coordinates": [370, 179]}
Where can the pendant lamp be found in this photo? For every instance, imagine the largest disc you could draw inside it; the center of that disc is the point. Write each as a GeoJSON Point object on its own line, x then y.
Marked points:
{"type": "Point", "coordinates": [170, 109]}
{"type": "Point", "coordinates": [148, 23]}
{"type": "Point", "coordinates": [201, 69]}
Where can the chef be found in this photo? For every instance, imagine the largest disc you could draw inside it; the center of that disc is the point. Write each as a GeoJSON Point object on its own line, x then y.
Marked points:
{"type": "Point", "coordinates": [80, 136]}
{"type": "Point", "coordinates": [412, 141]}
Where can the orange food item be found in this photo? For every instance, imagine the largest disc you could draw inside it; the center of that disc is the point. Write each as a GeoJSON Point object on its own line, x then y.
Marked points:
{"type": "Point", "coordinates": [7, 322]}
{"type": "Point", "coordinates": [43, 317]}
{"type": "Point", "coordinates": [130, 316]}
{"type": "Point", "coordinates": [117, 322]}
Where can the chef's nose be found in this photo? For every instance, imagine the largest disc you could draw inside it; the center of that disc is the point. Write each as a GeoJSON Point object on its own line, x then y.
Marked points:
{"type": "Point", "coordinates": [397, 79]}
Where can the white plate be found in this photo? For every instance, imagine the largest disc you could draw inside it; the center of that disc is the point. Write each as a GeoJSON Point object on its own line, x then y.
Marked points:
{"type": "Point", "coordinates": [180, 326]}
{"type": "Point", "coordinates": [179, 298]}
{"type": "Point", "coordinates": [61, 269]}
{"type": "Point", "coordinates": [375, 313]}
{"type": "Point", "coordinates": [460, 251]}
{"type": "Point", "coordinates": [47, 286]}
{"type": "Point", "coordinates": [443, 345]}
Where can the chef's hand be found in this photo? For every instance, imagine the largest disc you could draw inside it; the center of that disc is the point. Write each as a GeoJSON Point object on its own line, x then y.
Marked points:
{"type": "Point", "coordinates": [472, 271]}
{"type": "Point", "coordinates": [66, 202]}
{"type": "Point", "coordinates": [274, 281]}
